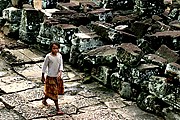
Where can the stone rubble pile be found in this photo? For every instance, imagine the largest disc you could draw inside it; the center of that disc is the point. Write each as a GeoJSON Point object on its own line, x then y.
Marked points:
{"type": "Point", "coordinates": [132, 47]}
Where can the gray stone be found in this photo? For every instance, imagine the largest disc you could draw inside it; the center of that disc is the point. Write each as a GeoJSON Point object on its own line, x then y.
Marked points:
{"type": "Point", "coordinates": [125, 72]}
{"type": "Point", "coordinates": [139, 28]}
{"type": "Point", "coordinates": [110, 35]}
{"type": "Point", "coordinates": [104, 55]}
{"type": "Point", "coordinates": [67, 6]}
{"type": "Point", "coordinates": [85, 102]}
{"type": "Point", "coordinates": [87, 94]}
{"type": "Point", "coordinates": [116, 81]}
{"type": "Point", "coordinates": [173, 13]}
{"type": "Point", "coordinates": [83, 29]}
{"type": "Point", "coordinates": [167, 53]}
{"type": "Point", "coordinates": [149, 8]}
{"type": "Point", "coordinates": [86, 41]}
{"type": "Point", "coordinates": [10, 79]}
{"type": "Point", "coordinates": [126, 90]}
{"type": "Point", "coordinates": [86, 6]}
{"type": "Point", "coordinates": [82, 42]}
{"type": "Point", "coordinates": [65, 49]}
{"type": "Point", "coordinates": [64, 117]}
{"type": "Point", "coordinates": [102, 74]}
{"type": "Point", "coordinates": [45, 30]}
{"type": "Point", "coordinates": [104, 94]}
{"type": "Point", "coordinates": [43, 40]}
{"type": "Point", "coordinates": [118, 4]}
{"type": "Point", "coordinates": [175, 24]}
{"type": "Point", "coordinates": [69, 109]}
{"type": "Point", "coordinates": [92, 85]}
{"type": "Point", "coordinates": [171, 115]}
{"type": "Point", "coordinates": [6, 114]}
{"type": "Point", "coordinates": [149, 103]}
{"type": "Point", "coordinates": [102, 114]}
{"type": "Point", "coordinates": [20, 56]}
{"type": "Point", "coordinates": [11, 30]}
{"type": "Point", "coordinates": [168, 38]}
{"type": "Point", "coordinates": [115, 104]}
{"type": "Point", "coordinates": [31, 95]}
{"type": "Point", "coordinates": [93, 108]}
{"type": "Point", "coordinates": [155, 59]}
{"type": "Point", "coordinates": [142, 73]}
{"type": "Point", "coordinates": [129, 54]}
{"type": "Point", "coordinates": [30, 24]}
{"type": "Point", "coordinates": [32, 111]}
{"type": "Point", "coordinates": [30, 71]}
{"type": "Point", "coordinates": [12, 15]}
{"type": "Point", "coordinates": [159, 87]}
{"type": "Point", "coordinates": [103, 15]}
{"type": "Point", "coordinates": [17, 86]}
{"type": "Point", "coordinates": [134, 113]}
{"type": "Point", "coordinates": [167, 92]}
{"type": "Point", "coordinates": [13, 99]}
{"type": "Point", "coordinates": [4, 66]}
{"type": "Point", "coordinates": [124, 19]}
{"type": "Point", "coordinates": [145, 46]}
{"type": "Point", "coordinates": [173, 69]}
{"type": "Point", "coordinates": [63, 33]}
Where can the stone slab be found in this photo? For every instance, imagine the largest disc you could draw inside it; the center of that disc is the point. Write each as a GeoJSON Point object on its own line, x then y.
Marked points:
{"type": "Point", "coordinates": [167, 53]}
{"type": "Point", "coordinates": [173, 69]}
{"type": "Point", "coordinates": [33, 110]}
{"type": "Point", "coordinates": [64, 117]}
{"type": "Point", "coordinates": [36, 110]}
{"type": "Point", "coordinates": [23, 55]}
{"type": "Point", "coordinates": [93, 108]}
{"type": "Point", "coordinates": [155, 59]}
{"type": "Point", "coordinates": [104, 94]}
{"type": "Point", "coordinates": [135, 113]}
{"type": "Point", "coordinates": [17, 86]}
{"type": "Point", "coordinates": [104, 55]}
{"type": "Point", "coordinates": [30, 71]}
{"type": "Point", "coordinates": [102, 114]}
{"type": "Point", "coordinates": [32, 94]}
{"type": "Point", "coordinates": [6, 114]}
{"type": "Point", "coordinates": [10, 79]}
{"type": "Point", "coordinates": [30, 54]}
{"type": "Point", "coordinates": [115, 104]}
{"type": "Point", "coordinates": [13, 99]}
{"type": "Point", "coordinates": [129, 54]}
{"type": "Point", "coordinates": [85, 102]}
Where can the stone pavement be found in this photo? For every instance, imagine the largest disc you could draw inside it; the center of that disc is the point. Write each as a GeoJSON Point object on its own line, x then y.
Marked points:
{"type": "Point", "coordinates": [21, 92]}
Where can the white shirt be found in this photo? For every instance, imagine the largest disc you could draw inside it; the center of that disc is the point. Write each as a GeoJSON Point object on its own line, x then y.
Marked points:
{"type": "Point", "coordinates": [53, 63]}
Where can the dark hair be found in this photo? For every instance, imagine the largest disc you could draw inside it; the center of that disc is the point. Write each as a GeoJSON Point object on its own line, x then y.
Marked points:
{"type": "Point", "coordinates": [54, 43]}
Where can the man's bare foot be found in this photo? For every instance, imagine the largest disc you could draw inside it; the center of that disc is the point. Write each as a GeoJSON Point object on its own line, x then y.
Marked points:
{"type": "Point", "coordinates": [59, 112]}
{"type": "Point", "coordinates": [45, 103]}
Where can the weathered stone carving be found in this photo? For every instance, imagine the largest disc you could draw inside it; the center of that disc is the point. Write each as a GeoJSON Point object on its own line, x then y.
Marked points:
{"type": "Point", "coordinates": [30, 25]}
{"type": "Point", "coordinates": [12, 16]}
{"type": "Point", "coordinates": [83, 42]}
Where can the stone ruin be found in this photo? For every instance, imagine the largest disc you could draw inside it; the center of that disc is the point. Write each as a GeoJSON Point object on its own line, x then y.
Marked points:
{"type": "Point", "coordinates": [130, 46]}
